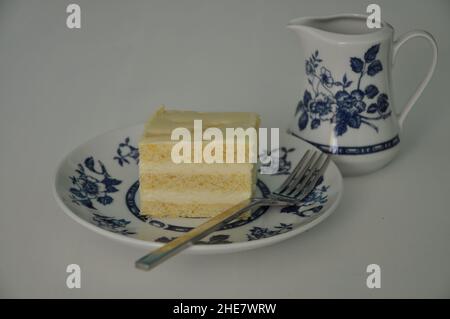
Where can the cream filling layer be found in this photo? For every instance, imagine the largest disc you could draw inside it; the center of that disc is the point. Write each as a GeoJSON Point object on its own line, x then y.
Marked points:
{"type": "Point", "coordinates": [196, 168]}
{"type": "Point", "coordinates": [200, 197]}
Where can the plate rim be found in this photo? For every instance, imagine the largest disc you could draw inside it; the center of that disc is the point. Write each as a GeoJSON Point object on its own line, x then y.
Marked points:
{"type": "Point", "coordinates": [196, 249]}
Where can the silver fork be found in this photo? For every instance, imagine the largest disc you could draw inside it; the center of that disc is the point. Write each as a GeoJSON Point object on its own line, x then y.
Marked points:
{"type": "Point", "coordinates": [294, 189]}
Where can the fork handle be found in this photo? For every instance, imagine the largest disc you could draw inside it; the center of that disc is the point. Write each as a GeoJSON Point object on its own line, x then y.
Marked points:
{"type": "Point", "coordinates": [177, 245]}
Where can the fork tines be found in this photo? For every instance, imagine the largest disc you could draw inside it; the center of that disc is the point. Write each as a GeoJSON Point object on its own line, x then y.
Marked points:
{"type": "Point", "coordinates": [305, 176]}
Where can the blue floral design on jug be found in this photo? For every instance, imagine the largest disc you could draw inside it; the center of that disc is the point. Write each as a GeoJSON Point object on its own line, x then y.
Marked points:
{"type": "Point", "coordinates": [343, 103]}
{"type": "Point", "coordinates": [92, 183]}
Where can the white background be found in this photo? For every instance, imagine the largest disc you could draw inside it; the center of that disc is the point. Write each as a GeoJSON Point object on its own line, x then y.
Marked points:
{"type": "Point", "coordinates": [60, 87]}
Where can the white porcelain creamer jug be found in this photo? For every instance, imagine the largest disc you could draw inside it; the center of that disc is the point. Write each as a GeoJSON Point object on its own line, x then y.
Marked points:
{"type": "Point", "coordinates": [346, 108]}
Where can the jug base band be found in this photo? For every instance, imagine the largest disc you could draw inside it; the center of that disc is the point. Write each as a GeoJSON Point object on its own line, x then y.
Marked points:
{"type": "Point", "coordinates": [352, 150]}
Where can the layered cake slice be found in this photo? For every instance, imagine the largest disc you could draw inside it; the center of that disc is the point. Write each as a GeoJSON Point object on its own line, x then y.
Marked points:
{"type": "Point", "coordinates": [197, 188]}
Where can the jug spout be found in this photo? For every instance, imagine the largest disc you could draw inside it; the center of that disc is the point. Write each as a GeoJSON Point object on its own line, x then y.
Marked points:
{"type": "Point", "coordinates": [343, 27]}
{"type": "Point", "coordinates": [299, 25]}
{"type": "Point", "coordinates": [307, 27]}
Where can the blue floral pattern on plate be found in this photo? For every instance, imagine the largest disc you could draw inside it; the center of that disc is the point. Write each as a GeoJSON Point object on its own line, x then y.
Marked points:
{"type": "Point", "coordinates": [345, 102]}
{"type": "Point", "coordinates": [118, 226]}
{"type": "Point", "coordinates": [92, 183]}
{"type": "Point", "coordinates": [126, 152]}
{"type": "Point", "coordinates": [264, 232]}
{"type": "Point", "coordinates": [282, 153]}
{"type": "Point", "coordinates": [101, 189]}
{"type": "Point", "coordinates": [89, 187]}
{"type": "Point", "coordinates": [312, 204]}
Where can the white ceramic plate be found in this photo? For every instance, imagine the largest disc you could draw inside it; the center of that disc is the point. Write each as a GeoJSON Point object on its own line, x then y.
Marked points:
{"type": "Point", "coordinates": [97, 185]}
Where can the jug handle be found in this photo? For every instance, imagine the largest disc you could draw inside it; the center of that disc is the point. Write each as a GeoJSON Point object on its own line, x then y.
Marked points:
{"type": "Point", "coordinates": [397, 44]}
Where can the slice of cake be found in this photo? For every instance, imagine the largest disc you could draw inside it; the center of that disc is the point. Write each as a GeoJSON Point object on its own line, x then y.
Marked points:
{"type": "Point", "coordinates": [195, 189]}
